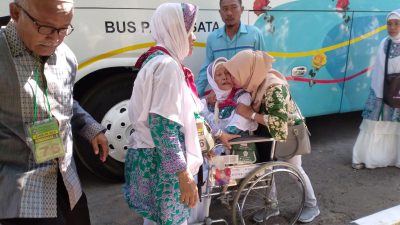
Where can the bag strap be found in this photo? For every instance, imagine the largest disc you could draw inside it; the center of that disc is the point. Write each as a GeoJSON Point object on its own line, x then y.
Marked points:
{"type": "Point", "coordinates": [301, 115]}
{"type": "Point", "coordinates": [297, 110]}
{"type": "Point", "coordinates": [385, 74]}
{"type": "Point", "coordinates": [380, 117]}
{"type": "Point", "coordinates": [387, 56]}
{"type": "Point", "coordinates": [290, 99]}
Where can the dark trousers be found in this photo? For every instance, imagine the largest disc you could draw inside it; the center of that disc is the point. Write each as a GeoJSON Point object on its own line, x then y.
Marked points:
{"type": "Point", "coordinates": [79, 215]}
{"type": "Point", "coordinates": [263, 148]}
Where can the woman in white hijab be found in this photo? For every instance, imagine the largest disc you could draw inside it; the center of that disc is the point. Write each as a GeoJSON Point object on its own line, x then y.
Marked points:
{"type": "Point", "coordinates": [252, 71]}
{"type": "Point", "coordinates": [222, 115]}
{"type": "Point", "coordinates": [378, 107]}
{"type": "Point", "coordinates": [164, 151]}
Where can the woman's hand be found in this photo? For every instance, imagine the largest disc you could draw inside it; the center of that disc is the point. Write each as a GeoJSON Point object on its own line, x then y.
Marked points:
{"type": "Point", "coordinates": [256, 105]}
{"type": "Point", "coordinates": [247, 112]}
{"type": "Point", "coordinates": [225, 138]}
{"type": "Point", "coordinates": [244, 110]}
{"type": "Point", "coordinates": [210, 154]}
{"type": "Point", "coordinates": [188, 188]}
{"type": "Point", "coordinates": [211, 98]}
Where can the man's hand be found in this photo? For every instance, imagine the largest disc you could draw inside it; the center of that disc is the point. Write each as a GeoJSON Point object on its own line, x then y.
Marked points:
{"type": "Point", "coordinates": [188, 188]}
{"type": "Point", "coordinates": [100, 140]}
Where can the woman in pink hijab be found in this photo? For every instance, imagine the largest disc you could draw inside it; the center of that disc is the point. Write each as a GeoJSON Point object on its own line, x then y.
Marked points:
{"type": "Point", "coordinates": [252, 71]}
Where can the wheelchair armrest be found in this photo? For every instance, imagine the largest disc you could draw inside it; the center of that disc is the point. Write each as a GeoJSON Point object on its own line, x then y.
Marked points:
{"type": "Point", "coordinates": [250, 139]}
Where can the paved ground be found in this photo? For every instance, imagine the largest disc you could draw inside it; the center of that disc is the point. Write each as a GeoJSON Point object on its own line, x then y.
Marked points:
{"type": "Point", "coordinates": [344, 194]}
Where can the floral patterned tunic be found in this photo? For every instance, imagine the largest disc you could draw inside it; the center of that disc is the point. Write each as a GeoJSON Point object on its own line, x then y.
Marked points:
{"type": "Point", "coordinates": [151, 183]}
{"type": "Point", "coordinates": [280, 111]}
{"type": "Point", "coordinates": [375, 109]}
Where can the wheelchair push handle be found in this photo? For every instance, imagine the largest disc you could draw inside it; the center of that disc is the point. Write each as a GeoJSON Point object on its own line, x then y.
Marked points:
{"type": "Point", "coordinates": [250, 139]}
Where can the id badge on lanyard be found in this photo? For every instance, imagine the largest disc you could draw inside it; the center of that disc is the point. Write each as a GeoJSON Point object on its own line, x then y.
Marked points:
{"type": "Point", "coordinates": [45, 134]}
{"type": "Point", "coordinates": [200, 133]}
{"type": "Point", "coordinates": [47, 143]}
{"type": "Point", "coordinates": [200, 125]}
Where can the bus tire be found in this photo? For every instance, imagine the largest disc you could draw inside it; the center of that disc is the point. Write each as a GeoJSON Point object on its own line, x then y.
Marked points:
{"type": "Point", "coordinates": [100, 101]}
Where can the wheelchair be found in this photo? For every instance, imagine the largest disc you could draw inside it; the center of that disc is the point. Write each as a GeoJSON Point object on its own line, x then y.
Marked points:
{"type": "Point", "coordinates": [256, 189]}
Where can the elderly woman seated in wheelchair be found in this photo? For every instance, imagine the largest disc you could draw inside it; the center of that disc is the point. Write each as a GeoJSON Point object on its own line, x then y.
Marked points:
{"type": "Point", "coordinates": [256, 198]}
{"type": "Point", "coordinates": [224, 124]}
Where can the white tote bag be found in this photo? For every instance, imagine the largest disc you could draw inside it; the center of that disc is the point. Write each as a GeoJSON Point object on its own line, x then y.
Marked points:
{"type": "Point", "coordinates": [378, 144]}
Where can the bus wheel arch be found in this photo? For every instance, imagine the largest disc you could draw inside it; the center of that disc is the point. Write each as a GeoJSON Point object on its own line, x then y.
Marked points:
{"type": "Point", "coordinates": [104, 94]}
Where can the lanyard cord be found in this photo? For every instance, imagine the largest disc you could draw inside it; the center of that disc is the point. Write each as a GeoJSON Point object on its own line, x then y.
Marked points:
{"type": "Point", "coordinates": [34, 96]}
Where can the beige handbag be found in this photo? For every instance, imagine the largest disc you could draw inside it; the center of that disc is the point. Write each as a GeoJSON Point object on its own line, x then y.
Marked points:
{"type": "Point", "coordinates": [297, 143]}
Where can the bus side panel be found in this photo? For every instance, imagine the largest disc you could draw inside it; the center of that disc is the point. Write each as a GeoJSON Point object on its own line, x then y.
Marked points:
{"type": "Point", "coordinates": [206, 22]}
{"type": "Point", "coordinates": [110, 33]}
{"type": "Point", "coordinates": [300, 38]}
{"type": "Point", "coordinates": [125, 33]}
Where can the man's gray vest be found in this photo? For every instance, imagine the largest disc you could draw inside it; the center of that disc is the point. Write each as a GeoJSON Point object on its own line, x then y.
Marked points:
{"type": "Point", "coordinates": [14, 151]}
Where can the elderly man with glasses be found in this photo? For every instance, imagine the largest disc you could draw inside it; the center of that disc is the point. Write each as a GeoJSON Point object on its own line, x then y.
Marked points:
{"type": "Point", "coordinates": [38, 178]}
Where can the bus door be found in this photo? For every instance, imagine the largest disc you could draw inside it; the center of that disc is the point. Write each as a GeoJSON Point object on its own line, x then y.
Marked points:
{"type": "Point", "coordinates": [368, 29]}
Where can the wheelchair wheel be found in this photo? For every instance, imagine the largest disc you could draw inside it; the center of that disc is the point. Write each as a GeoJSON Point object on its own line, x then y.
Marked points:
{"type": "Point", "coordinates": [254, 202]}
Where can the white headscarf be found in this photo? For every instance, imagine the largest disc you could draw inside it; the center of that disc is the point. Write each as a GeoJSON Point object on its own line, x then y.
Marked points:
{"type": "Point", "coordinates": [394, 15]}
{"type": "Point", "coordinates": [234, 119]}
{"type": "Point", "coordinates": [167, 26]}
{"type": "Point", "coordinates": [162, 79]}
{"type": "Point", "coordinates": [220, 94]}
{"type": "Point", "coordinates": [378, 73]}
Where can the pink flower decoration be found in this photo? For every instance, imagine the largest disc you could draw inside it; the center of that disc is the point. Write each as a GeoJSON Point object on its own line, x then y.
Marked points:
{"type": "Point", "coordinates": [342, 5]}
{"type": "Point", "coordinates": [258, 6]}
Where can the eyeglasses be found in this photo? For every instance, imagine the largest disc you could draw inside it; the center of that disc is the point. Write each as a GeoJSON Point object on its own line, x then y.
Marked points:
{"type": "Point", "coordinates": [47, 30]}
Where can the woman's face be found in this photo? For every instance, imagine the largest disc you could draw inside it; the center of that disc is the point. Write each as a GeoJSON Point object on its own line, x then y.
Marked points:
{"type": "Point", "coordinates": [235, 82]}
{"type": "Point", "coordinates": [192, 39]}
{"type": "Point", "coordinates": [393, 27]}
{"type": "Point", "coordinates": [223, 78]}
